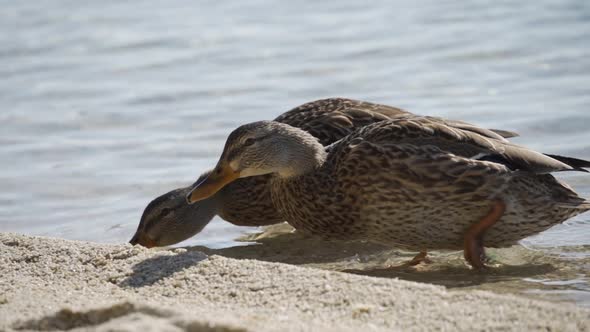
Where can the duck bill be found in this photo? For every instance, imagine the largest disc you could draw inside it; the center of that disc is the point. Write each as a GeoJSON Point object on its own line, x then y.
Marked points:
{"type": "Point", "coordinates": [143, 240]}
{"type": "Point", "coordinates": [221, 176]}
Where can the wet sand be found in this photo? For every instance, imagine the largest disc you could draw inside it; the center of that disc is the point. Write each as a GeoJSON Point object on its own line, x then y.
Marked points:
{"type": "Point", "coordinates": [555, 274]}
{"type": "Point", "coordinates": [52, 284]}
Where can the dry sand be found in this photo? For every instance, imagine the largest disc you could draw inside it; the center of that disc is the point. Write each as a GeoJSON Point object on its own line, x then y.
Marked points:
{"type": "Point", "coordinates": [52, 284]}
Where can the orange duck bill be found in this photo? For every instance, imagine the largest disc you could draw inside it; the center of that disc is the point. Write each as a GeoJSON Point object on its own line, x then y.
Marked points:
{"type": "Point", "coordinates": [221, 176]}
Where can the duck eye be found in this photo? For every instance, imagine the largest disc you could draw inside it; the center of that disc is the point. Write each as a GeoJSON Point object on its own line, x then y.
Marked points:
{"type": "Point", "coordinates": [165, 212]}
{"type": "Point", "coordinates": [249, 141]}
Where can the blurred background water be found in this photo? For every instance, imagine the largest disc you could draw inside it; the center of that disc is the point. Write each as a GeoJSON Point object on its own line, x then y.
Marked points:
{"type": "Point", "coordinates": [105, 105]}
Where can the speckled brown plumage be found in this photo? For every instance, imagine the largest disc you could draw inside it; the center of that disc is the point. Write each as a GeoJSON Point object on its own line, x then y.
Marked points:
{"type": "Point", "coordinates": [387, 183]}
{"type": "Point", "coordinates": [247, 202]}
{"type": "Point", "coordinates": [412, 182]}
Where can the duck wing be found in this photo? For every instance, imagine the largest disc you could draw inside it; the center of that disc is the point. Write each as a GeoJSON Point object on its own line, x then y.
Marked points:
{"type": "Point", "coordinates": [422, 131]}
{"type": "Point", "coordinates": [498, 134]}
{"type": "Point", "coordinates": [331, 119]}
{"type": "Point", "coordinates": [334, 118]}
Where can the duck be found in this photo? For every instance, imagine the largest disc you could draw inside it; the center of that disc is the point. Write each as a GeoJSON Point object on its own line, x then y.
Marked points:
{"type": "Point", "coordinates": [168, 219]}
{"type": "Point", "coordinates": [409, 182]}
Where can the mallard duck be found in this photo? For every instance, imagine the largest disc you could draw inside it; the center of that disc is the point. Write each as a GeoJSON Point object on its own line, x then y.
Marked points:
{"type": "Point", "coordinates": [168, 219]}
{"type": "Point", "coordinates": [409, 182]}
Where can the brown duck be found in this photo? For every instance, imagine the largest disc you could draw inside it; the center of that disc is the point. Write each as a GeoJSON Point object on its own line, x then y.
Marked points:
{"type": "Point", "coordinates": [409, 182]}
{"type": "Point", "coordinates": [168, 219]}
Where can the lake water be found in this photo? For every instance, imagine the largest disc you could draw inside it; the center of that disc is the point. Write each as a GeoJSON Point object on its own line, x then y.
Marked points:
{"type": "Point", "coordinates": [105, 105]}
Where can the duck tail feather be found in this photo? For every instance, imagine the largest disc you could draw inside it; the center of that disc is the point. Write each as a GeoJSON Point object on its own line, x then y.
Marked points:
{"type": "Point", "coordinates": [505, 133]}
{"type": "Point", "coordinates": [577, 164]}
{"type": "Point", "coordinates": [583, 205]}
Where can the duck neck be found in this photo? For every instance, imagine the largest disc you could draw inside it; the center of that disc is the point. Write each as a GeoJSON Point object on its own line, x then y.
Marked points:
{"type": "Point", "coordinates": [303, 154]}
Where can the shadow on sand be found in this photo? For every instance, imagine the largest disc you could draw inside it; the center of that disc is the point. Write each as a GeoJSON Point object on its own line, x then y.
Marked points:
{"type": "Point", "coordinates": [151, 270]}
{"type": "Point", "coordinates": [279, 244]}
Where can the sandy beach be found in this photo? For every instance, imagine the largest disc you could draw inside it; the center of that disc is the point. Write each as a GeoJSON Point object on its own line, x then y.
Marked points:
{"type": "Point", "coordinates": [50, 284]}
